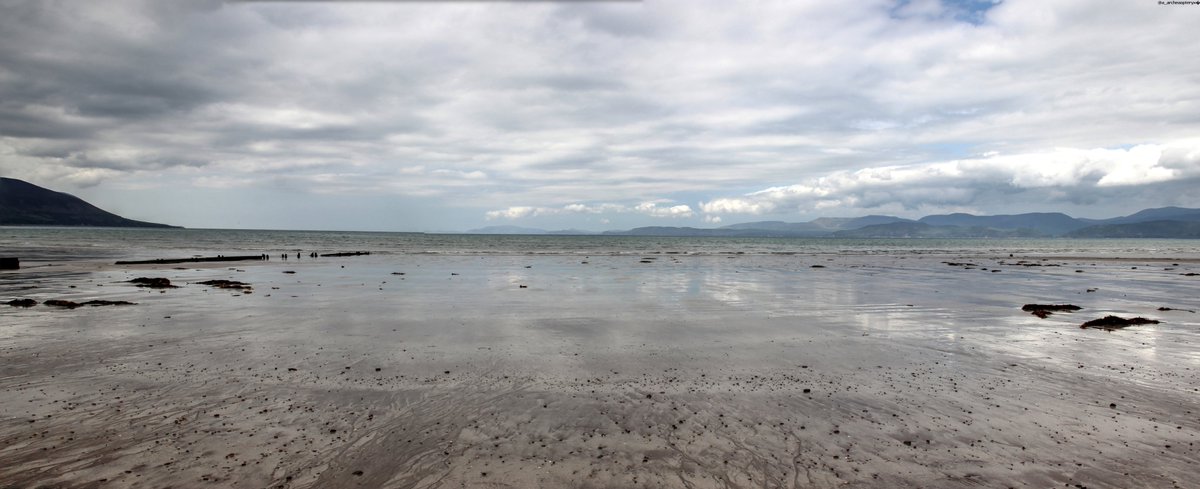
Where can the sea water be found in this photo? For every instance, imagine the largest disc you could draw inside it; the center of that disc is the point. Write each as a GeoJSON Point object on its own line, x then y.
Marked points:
{"type": "Point", "coordinates": [36, 245]}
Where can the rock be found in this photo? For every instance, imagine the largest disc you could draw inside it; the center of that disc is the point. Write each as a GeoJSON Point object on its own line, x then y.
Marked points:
{"type": "Point", "coordinates": [348, 253]}
{"type": "Point", "coordinates": [107, 303]}
{"type": "Point", "coordinates": [1161, 309]}
{"type": "Point", "coordinates": [94, 303]}
{"type": "Point", "coordinates": [226, 284]}
{"type": "Point", "coordinates": [289, 271]}
{"type": "Point", "coordinates": [22, 303]}
{"type": "Point", "coordinates": [153, 283]}
{"type": "Point", "coordinates": [1111, 323]}
{"type": "Point", "coordinates": [1043, 310]}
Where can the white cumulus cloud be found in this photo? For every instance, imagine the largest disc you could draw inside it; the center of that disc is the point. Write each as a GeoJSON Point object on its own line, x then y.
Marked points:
{"type": "Point", "coordinates": [1065, 171]}
{"type": "Point", "coordinates": [652, 209]}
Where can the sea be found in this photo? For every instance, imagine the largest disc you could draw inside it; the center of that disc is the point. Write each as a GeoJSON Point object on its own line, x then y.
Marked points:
{"type": "Point", "coordinates": [41, 245]}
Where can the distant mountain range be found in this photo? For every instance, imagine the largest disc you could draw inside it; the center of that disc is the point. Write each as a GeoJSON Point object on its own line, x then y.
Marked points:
{"type": "Point", "coordinates": [25, 204]}
{"type": "Point", "coordinates": [1165, 222]}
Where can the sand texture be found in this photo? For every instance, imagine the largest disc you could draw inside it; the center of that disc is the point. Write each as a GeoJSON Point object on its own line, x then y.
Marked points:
{"type": "Point", "coordinates": [408, 371]}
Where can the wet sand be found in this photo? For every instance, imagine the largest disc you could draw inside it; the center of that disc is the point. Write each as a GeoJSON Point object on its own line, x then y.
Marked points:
{"type": "Point", "coordinates": [687, 371]}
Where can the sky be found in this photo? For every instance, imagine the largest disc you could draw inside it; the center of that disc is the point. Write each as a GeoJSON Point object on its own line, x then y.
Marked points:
{"type": "Point", "coordinates": [450, 116]}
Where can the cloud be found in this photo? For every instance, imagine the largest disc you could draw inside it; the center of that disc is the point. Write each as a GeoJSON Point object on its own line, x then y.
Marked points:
{"type": "Point", "coordinates": [517, 212]}
{"type": "Point", "coordinates": [1068, 173]}
{"type": "Point", "coordinates": [654, 210]}
{"type": "Point", "coordinates": [651, 209]}
{"type": "Point", "coordinates": [531, 107]}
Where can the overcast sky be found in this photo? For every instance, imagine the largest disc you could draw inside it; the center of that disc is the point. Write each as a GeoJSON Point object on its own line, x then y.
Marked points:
{"type": "Point", "coordinates": [429, 116]}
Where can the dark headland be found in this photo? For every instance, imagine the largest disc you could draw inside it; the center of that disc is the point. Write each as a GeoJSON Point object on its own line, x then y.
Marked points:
{"type": "Point", "coordinates": [25, 204]}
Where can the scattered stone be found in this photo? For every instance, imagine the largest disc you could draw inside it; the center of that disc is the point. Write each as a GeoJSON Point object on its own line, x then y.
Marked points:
{"type": "Point", "coordinates": [289, 271]}
{"type": "Point", "coordinates": [1112, 323]}
{"type": "Point", "coordinates": [1043, 310]}
{"type": "Point", "coordinates": [817, 266]}
{"type": "Point", "coordinates": [226, 284]}
{"type": "Point", "coordinates": [94, 303]}
{"type": "Point", "coordinates": [347, 253]}
{"type": "Point", "coordinates": [22, 303]}
{"type": "Point", "coordinates": [1161, 309]}
{"type": "Point", "coordinates": [107, 303]}
{"type": "Point", "coordinates": [397, 273]}
{"type": "Point", "coordinates": [959, 264]}
{"type": "Point", "coordinates": [153, 283]}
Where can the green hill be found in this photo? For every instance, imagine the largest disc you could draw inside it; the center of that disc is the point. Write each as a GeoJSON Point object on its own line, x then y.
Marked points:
{"type": "Point", "coordinates": [1152, 229]}
{"type": "Point", "coordinates": [25, 204]}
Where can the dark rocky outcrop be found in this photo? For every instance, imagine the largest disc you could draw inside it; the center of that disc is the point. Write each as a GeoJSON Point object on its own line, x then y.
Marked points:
{"type": "Point", "coordinates": [1175, 309]}
{"type": "Point", "coordinates": [153, 283]}
{"type": "Point", "coordinates": [1112, 323]}
{"type": "Point", "coordinates": [22, 303]}
{"type": "Point", "coordinates": [347, 253]}
{"type": "Point", "coordinates": [93, 303]}
{"type": "Point", "coordinates": [1044, 310]}
{"type": "Point", "coordinates": [226, 284]}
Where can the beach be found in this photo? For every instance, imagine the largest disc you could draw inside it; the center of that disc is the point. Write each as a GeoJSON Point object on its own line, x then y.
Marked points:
{"type": "Point", "coordinates": [654, 369]}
